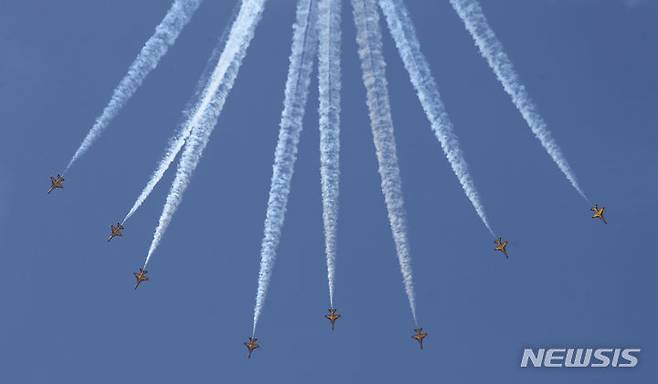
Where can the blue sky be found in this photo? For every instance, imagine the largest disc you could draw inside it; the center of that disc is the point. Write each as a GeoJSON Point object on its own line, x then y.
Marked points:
{"type": "Point", "coordinates": [70, 313]}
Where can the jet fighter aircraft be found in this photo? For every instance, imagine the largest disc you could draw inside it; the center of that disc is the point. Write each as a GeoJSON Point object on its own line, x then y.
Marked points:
{"type": "Point", "coordinates": [251, 345]}
{"type": "Point", "coordinates": [140, 276]}
{"type": "Point", "coordinates": [56, 182]}
{"type": "Point", "coordinates": [332, 316]}
{"type": "Point", "coordinates": [419, 336]}
{"type": "Point", "coordinates": [501, 245]}
{"type": "Point", "coordinates": [115, 230]}
{"type": "Point", "coordinates": [598, 213]}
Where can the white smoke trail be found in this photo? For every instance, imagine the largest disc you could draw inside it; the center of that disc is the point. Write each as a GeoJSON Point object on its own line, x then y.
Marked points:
{"type": "Point", "coordinates": [304, 44]}
{"type": "Point", "coordinates": [329, 90]}
{"type": "Point", "coordinates": [156, 47]}
{"type": "Point", "coordinates": [492, 50]}
{"type": "Point", "coordinates": [178, 140]}
{"type": "Point", "coordinates": [369, 41]}
{"type": "Point", "coordinates": [207, 110]}
{"type": "Point", "coordinates": [404, 34]}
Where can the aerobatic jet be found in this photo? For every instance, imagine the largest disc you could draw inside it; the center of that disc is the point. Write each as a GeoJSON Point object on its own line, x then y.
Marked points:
{"type": "Point", "coordinates": [501, 246]}
{"type": "Point", "coordinates": [56, 182]}
{"type": "Point", "coordinates": [598, 213]}
{"type": "Point", "coordinates": [115, 230]}
{"type": "Point", "coordinates": [332, 316]}
{"type": "Point", "coordinates": [419, 336]}
{"type": "Point", "coordinates": [140, 276]}
{"type": "Point", "coordinates": [251, 345]}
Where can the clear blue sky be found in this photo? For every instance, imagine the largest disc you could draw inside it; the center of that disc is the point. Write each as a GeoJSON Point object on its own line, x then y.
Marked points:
{"type": "Point", "coordinates": [69, 311]}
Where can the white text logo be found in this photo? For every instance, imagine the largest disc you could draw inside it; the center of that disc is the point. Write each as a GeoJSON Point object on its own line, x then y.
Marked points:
{"type": "Point", "coordinates": [580, 357]}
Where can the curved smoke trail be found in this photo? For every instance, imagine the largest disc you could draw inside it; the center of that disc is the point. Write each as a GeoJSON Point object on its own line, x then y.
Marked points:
{"type": "Point", "coordinates": [329, 90]}
{"type": "Point", "coordinates": [304, 44]}
{"type": "Point", "coordinates": [156, 47]}
{"type": "Point", "coordinates": [492, 50]}
{"type": "Point", "coordinates": [207, 110]}
{"type": "Point", "coordinates": [369, 41]}
{"type": "Point", "coordinates": [404, 34]}
{"type": "Point", "coordinates": [178, 140]}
